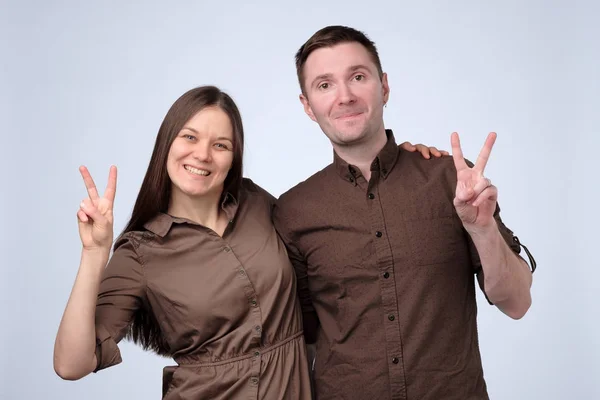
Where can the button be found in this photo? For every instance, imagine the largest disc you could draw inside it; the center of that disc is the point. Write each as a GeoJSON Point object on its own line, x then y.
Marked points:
{"type": "Point", "coordinates": [231, 221]}
{"type": "Point", "coordinates": [378, 234]}
{"type": "Point", "coordinates": [352, 170]}
{"type": "Point", "coordinates": [395, 360]}
{"type": "Point", "coordinates": [391, 317]}
{"type": "Point", "coordinates": [256, 353]}
{"type": "Point", "coordinates": [254, 303]}
{"type": "Point", "coordinates": [386, 275]}
{"type": "Point", "coordinates": [227, 249]}
{"type": "Point", "coordinates": [242, 272]}
{"type": "Point", "coordinates": [351, 179]}
{"type": "Point", "coordinates": [254, 380]}
{"type": "Point", "coordinates": [371, 196]}
{"type": "Point", "coordinates": [257, 328]}
{"type": "Point", "coordinates": [384, 171]}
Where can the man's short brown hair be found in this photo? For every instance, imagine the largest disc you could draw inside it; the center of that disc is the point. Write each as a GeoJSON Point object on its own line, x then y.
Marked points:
{"type": "Point", "coordinates": [331, 36]}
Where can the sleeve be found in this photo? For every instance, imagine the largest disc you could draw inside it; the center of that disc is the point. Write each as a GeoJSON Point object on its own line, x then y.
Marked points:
{"type": "Point", "coordinates": [310, 319]}
{"type": "Point", "coordinates": [121, 294]}
{"type": "Point", "coordinates": [511, 240]}
{"type": "Point", "coordinates": [508, 236]}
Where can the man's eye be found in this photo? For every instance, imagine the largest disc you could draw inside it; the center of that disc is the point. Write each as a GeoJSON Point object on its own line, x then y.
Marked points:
{"type": "Point", "coordinates": [359, 77]}
{"type": "Point", "coordinates": [324, 85]}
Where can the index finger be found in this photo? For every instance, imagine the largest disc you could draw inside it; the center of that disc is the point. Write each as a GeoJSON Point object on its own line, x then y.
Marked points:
{"type": "Point", "coordinates": [89, 183]}
{"type": "Point", "coordinates": [111, 186]}
{"type": "Point", "coordinates": [484, 154]}
{"type": "Point", "coordinates": [457, 154]}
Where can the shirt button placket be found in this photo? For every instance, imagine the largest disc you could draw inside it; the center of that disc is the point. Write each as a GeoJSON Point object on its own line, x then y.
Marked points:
{"type": "Point", "coordinates": [384, 264]}
{"type": "Point", "coordinates": [257, 329]}
{"type": "Point", "coordinates": [257, 332]}
{"type": "Point", "coordinates": [254, 379]}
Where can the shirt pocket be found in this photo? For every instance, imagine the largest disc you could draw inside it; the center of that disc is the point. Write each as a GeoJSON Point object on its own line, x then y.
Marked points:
{"type": "Point", "coordinates": [437, 240]}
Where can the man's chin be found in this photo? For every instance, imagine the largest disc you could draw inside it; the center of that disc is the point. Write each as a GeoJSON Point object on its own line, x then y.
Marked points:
{"type": "Point", "coordinates": [350, 137]}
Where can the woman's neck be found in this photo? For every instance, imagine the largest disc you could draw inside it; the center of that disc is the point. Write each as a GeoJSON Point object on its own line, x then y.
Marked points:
{"type": "Point", "coordinates": [204, 210]}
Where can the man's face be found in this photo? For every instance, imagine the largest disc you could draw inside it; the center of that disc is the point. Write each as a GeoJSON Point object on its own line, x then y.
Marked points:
{"type": "Point", "coordinates": [344, 93]}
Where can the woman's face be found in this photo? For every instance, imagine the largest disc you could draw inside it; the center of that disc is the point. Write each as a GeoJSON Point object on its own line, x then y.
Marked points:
{"type": "Point", "coordinates": [201, 154]}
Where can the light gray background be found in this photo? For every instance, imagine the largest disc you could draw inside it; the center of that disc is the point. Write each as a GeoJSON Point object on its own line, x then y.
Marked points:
{"type": "Point", "coordinates": [86, 83]}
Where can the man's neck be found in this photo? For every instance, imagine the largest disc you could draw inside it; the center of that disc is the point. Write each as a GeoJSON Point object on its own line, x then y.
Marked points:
{"type": "Point", "coordinates": [362, 154]}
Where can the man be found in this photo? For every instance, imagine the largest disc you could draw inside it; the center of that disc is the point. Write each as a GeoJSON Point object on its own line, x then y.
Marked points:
{"type": "Point", "coordinates": [386, 243]}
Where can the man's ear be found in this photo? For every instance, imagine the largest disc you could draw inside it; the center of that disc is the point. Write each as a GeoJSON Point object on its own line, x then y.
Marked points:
{"type": "Point", "coordinates": [385, 87]}
{"type": "Point", "coordinates": [307, 109]}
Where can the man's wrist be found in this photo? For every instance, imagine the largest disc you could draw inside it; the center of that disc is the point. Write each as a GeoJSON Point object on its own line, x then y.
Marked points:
{"type": "Point", "coordinates": [483, 233]}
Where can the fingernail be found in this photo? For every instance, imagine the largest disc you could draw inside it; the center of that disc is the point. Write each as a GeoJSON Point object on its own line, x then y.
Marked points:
{"type": "Point", "coordinates": [82, 205]}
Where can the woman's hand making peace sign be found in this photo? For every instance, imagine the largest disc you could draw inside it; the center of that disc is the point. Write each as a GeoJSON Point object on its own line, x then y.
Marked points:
{"type": "Point", "coordinates": [95, 214]}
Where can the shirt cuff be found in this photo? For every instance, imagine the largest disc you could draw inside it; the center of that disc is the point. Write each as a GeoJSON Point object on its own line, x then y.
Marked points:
{"type": "Point", "coordinates": [107, 350]}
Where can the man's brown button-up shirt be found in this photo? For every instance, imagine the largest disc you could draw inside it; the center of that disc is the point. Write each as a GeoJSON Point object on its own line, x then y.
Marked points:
{"type": "Point", "coordinates": [386, 278]}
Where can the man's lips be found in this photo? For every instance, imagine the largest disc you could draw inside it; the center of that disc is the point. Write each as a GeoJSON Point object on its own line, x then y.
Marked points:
{"type": "Point", "coordinates": [348, 115]}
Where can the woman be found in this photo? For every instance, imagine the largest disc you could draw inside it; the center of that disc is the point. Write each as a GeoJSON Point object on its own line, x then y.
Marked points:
{"type": "Point", "coordinates": [198, 274]}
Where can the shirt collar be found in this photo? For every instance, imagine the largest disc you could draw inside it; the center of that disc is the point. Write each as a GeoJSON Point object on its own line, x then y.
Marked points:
{"type": "Point", "coordinates": [161, 223]}
{"type": "Point", "coordinates": [384, 162]}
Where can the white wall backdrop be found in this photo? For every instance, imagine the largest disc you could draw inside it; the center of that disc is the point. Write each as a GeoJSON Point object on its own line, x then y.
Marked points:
{"type": "Point", "coordinates": [89, 83]}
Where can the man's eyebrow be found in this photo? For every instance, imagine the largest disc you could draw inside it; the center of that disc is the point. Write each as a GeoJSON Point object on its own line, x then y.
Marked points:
{"type": "Point", "coordinates": [321, 77]}
{"type": "Point", "coordinates": [353, 68]}
{"type": "Point", "coordinates": [359, 66]}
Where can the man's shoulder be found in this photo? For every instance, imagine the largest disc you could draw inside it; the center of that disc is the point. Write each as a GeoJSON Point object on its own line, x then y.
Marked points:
{"type": "Point", "coordinates": [433, 163]}
{"type": "Point", "coordinates": [415, 167]}
{"type": "Point", "coordinates": [298, 201]}
{"type": "Point", "coordinates": [311, 187]}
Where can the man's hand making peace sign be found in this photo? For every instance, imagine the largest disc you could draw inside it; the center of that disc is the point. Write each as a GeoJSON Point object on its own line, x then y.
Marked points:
{"type": "Point", "coordinates": [475, 197]}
